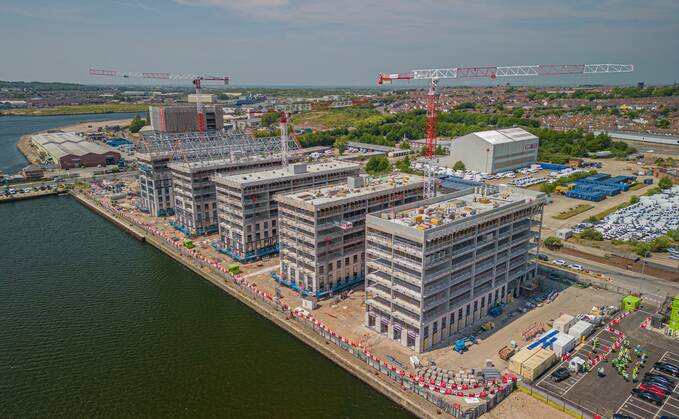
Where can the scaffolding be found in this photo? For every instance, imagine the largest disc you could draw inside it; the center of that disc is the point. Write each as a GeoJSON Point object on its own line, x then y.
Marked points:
{"type": "Point", "coordinates": [199, 147]}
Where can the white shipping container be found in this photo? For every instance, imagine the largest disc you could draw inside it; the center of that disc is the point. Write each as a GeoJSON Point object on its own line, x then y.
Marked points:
{"type": "Point", "coordinates": [581, 328]}
{"type": "Point", "coordinates": [563, 345]}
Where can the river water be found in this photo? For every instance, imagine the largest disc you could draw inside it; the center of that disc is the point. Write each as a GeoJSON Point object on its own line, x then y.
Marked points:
{"type": "Point", "coordinates": [96, 324]}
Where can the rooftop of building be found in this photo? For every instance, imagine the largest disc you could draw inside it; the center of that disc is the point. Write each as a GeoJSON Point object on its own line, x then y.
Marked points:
{"type": "Point", "coordinates": [59, 144]}
{"type": "Point", "coordinates": [353, 188]}
{"type": "Point", "coordinates": [457, 207]}
{"type": "Point", "coordinates": [291, 171]}
{"type": "Point", "coordinates": [504, 136]}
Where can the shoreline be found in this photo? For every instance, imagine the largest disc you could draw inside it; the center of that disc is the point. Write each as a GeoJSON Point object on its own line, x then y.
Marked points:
{"type": "Point", "coordinates": [39, 115]}
{"type": "Point", "coordinates": [407, 400]}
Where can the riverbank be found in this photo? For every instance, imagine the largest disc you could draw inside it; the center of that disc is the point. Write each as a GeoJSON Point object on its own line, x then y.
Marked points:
{"type": "Point", "coordinates": [370, 372]}
{"type": "Point", "coordinates": [30, 152]}
{"type": "Point", "coordinates": [78, 110]}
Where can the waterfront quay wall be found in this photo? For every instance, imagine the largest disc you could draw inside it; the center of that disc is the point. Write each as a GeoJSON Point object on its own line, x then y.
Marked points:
{"type": "Point", "coordinates": [416, 397]}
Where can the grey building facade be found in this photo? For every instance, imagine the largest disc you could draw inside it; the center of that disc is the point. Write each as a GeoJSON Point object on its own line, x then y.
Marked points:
{"type": "Point", "coordinates": [248, 212]}
{"type": "Point", "coordinates": [435, 267]}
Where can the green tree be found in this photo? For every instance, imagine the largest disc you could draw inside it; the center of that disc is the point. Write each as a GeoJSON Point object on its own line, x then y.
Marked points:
{"type": "Point", "coordinates": [661, 244]}
{"type": "Point", "coordinates": [459, 165]}
{"type": "Point", "coordinates": [270, 118]}
{"type": "Point", "coordinates": [377, 165]}
{"type": "Point", "coordinates": [633, 200]}
{"type": "Point", "coordinates": [137, 124]}
{"type": "Point", "coordinates": [662, 123]}
{"type": "Point", "coordinates": [518, 112]}
{"type": "Point", "coordinates": [591, 234]}
{"type": "Point", "coordinates": [641, 248]}
{"type": "Point", "coordinates": [665, 183]}
{"type": "Point", "coordinates": [404, 145]}
{"type": "Point", "coordinates": [553, 243]}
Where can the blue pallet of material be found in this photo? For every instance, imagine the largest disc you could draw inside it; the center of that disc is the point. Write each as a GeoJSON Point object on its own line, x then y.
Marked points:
{"type": "Point", "coordinates": [543, 339]}
{"type": "Point", "coordinates": [549, 342]}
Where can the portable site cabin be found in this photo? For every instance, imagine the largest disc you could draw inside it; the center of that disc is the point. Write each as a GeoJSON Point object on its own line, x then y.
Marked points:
{"type": "Point", "coordinates": [564, 322]}
{"type": "Point", "coordinates": [564, 344]}
{"type": "Point", "coordinates": [580, 329]}
{"type": "Point", "coordinates": [674, 316]}
{"type": "Point", "coordinates": [630, 303]}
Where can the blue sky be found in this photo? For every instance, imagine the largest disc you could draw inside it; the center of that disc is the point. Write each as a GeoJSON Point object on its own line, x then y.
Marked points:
{"type": "Point", "coordinates": [333, 42]}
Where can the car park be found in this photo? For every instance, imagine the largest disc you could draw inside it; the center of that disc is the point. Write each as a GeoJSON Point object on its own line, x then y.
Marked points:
{"type": "Point", "coordinates": [667, 368]}
{"type": "Point", "coordinates": [647, 396]}
{"type": "Point", "coordinates": [653, 389]}
{"type": "Point", "coordinates": [560, 375]}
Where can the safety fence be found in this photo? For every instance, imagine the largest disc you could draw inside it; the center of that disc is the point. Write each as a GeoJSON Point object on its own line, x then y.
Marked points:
{"type": "Point", "coordinates": [485, 395]}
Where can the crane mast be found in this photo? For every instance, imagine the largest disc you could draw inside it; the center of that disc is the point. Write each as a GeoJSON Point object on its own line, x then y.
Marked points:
{"type": "Point", "coordinates": [195, 79]}
{"type": "Point", "coordinates": [434, 75]}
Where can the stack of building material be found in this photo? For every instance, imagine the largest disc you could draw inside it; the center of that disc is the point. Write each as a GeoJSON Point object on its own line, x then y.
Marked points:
{"type": "Point", "coordinates": [537, 364]}
{"type": "Point", "coordinates": [516, 362]}
{"type": "Point", "coordinates": [564, 322]}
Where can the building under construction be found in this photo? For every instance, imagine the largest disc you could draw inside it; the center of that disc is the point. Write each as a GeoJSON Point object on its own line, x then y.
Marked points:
{"type": "Point", "coordinates": [184, 118]}
{"type": "Point", "coordinates": [322, 231]}
{"type": "Point", "coordinates": [248, 212]}
{"type": "Point", "coordinates": [437, 266]}
{"type": "Point", "coordinates": [191, 159]}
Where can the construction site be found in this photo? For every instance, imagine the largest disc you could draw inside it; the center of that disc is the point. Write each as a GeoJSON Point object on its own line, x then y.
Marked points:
{"type": "Point", "coordinates": [435, 293]}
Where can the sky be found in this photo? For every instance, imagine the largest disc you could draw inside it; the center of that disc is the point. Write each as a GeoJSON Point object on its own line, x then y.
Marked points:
{"type": "Point", "coordinates": [334, 42]}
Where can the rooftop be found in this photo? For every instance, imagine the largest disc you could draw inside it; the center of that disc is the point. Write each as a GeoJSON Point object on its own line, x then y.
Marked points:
{"type": "Point", "coordinates": [291, 171]}
{"type": "Point", "coordinates": [457, 207]}
{"type": "Point", "coordinates": [355, 187]}
{"type": "Point", "coordinates": [59, 144]}
{"type": "Point", "coordinates": [503, 136]}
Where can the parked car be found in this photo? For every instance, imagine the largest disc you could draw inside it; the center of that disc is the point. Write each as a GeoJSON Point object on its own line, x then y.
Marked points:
{"type": "Point", "coordinates": [659, 384]}
{"type": "Point", "coordinates": [559, 262]}
{"type": "Point", "coordinates": [667, 368]}
{"type": "Point", "coordinates": [621, 416]}
{"type": "Point", "coordinates": [647, 396]}
{"type": "Point", "coordinates": [543, 257]}
{"type": "Point", "coordinates": [575, 267]}
{"type": "Point", "coordinates": [653, 389]}
{"type": "Point", "coordinates": [560, 375]}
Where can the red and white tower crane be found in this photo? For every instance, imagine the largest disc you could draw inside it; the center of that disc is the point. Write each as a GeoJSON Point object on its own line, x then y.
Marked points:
{"type": "Point", "coordinates": [434, 75]}
{"type": "Point", "coordinates": [196, 80]}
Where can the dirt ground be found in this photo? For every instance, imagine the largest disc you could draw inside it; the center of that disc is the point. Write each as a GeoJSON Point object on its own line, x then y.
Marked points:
{"type": "Point", "coordinates": [522, 406]}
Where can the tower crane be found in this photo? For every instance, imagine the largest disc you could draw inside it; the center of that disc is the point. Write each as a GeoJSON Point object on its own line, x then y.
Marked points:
{"type": "Point", "coordinates": [195, 79]}
{"type": "Point", "coordinates": [434, 75]}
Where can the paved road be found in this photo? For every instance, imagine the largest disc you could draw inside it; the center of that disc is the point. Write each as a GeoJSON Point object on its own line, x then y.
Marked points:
{"type": "Point", "coordinates": [621, 277]}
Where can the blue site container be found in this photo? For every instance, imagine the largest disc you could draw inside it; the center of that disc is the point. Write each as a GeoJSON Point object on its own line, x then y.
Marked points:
{"type": "Point", "coordinates": [598, 177]}
{"type": "Point", "coordinates": [551, 166]}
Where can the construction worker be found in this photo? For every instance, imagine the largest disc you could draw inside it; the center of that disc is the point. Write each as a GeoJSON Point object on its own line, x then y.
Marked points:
{"type": "Point", "coordinates": [600, 372]}
{"type": "Point", "coordinates": [625, 375]}
{"type": "Point", "coordinates": [595, 342]}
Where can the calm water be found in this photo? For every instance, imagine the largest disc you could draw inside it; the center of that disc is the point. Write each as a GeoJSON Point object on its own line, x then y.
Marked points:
{"type": "Point", "coordinates": [13, 127]}
{"type": "Point", "coordinates": [96, 324]}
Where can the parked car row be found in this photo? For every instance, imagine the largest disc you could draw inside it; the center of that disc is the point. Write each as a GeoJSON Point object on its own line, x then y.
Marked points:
{"type": "Point", "coordinates": [654, 387]}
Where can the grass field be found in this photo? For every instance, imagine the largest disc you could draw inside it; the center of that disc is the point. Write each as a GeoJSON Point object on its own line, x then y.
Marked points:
{"type": "Point", "coordinates": [637, 186]}
{"type": "Point", "coordinates": [333, 118]}
{"type": "Point", "coordinates": [79, 109]}
{"type": "Point", "coordinates": [575, 211]}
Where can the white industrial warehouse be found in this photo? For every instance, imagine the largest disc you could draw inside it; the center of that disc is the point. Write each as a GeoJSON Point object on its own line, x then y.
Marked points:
{"type": "Point", "coordinates": [494, 151]}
